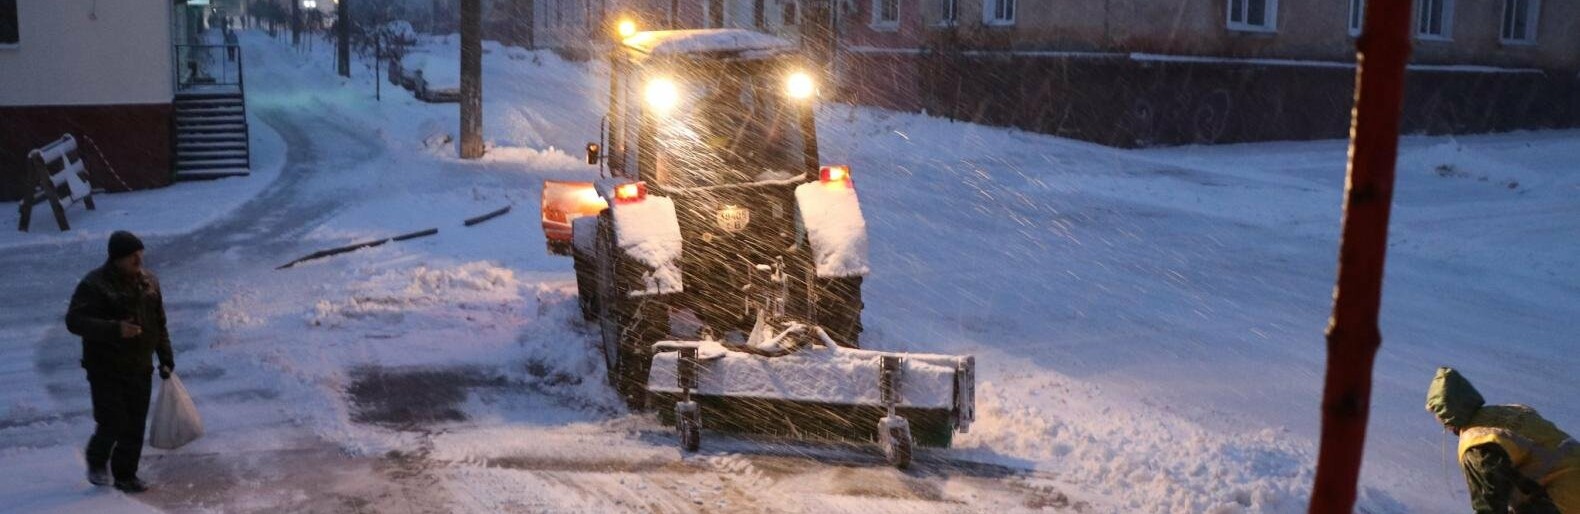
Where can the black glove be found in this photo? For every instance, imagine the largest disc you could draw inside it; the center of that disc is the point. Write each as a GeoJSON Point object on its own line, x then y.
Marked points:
{"type": "Point", "coordinates": [164, 371]}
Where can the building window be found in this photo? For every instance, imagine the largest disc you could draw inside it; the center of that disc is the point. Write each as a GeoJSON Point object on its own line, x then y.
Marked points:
{"type": "Point", "coordinates": [1357, 16]}
{"type": "Point", "coordinates": [998, 12]}
{"type": "Point", "coordinates": [1519, 20]}
{"type": "Point", "coordinates": [1434, 19]}
{"type": "Point", "coordinates": [1253, 15]}
{"type": "Point", "coordinates": [9, 25]}
{"type": "Point", "coordinates": [886, 14]}
{"type": "Point", "coordinates": [787, 16]}
{"type": "Point", "coordinates": [948, 12]}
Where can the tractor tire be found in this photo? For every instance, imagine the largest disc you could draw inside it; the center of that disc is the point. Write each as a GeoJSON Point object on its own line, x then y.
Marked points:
{"type": "Point", "coordinates": [604, 290]}
{"type": "Point", "coordinates": [586, 285]}
{"type": "Point", "coordinates": [645, 321]}
{"type": "Point", "coordinates": [837, 308]}
{"type": "Point", "coordinates": [628, 325]}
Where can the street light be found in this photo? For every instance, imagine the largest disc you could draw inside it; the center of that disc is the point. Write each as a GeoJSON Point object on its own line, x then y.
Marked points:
{"type": "Point", "coordinates": [310, 4]}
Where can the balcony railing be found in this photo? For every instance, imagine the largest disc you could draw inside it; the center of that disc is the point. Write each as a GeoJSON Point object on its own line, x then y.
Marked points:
{"type": "Point", "coordinates": [205, 66]}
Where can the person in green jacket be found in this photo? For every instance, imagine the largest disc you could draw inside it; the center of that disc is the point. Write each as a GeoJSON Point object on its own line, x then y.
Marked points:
{"type": "Point", "coordinates": [1514, 460]}
{"type": "Point", "coordinates": [119, 312]}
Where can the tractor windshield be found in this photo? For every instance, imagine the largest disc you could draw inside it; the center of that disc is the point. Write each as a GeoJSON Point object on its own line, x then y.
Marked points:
{"type": "Point", "coordinates": [735, 125]}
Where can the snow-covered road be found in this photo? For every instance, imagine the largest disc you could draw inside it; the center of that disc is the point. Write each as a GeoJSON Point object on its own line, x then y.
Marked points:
{"type": "Point", "coordinates": [1147, 323]}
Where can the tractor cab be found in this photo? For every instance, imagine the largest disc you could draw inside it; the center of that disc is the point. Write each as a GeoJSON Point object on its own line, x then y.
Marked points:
{"type": "Point", "coordinates": [708, 108]}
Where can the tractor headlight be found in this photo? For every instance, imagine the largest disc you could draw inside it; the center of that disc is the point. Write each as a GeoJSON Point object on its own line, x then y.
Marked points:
{"type": "Point", "coordinates": [800, 85]}
{"type": "Point", "coordinates": [662, 95]}
{"type": "Point", "coordinates": [626, 28]}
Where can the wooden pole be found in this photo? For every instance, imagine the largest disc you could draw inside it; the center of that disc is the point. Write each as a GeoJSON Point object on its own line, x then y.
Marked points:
{"type": "Point", "coordinates": [471, 79]}
{"type": "Point", "coordinates": [1382, 52]}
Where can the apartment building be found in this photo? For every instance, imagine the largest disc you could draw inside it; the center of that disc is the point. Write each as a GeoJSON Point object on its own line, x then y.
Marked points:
{"type": "Point", "coordinates": [1149, 72]}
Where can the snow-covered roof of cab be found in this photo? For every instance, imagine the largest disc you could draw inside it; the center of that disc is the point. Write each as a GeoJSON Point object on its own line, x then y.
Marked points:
{"type": "Point", "coordinates": [701, 41]}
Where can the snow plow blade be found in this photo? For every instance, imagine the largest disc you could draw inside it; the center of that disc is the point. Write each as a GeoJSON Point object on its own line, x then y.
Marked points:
{"type": "Point", "coordinates": [563, 202]}
{"type": "Point", "coordinates": [818, 393]}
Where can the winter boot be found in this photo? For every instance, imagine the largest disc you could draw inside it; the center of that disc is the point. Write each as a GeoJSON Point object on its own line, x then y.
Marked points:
{"type": "Point", "coordinates": [99, 476]}
{"type": "Point", "coordinates": [131, 486]}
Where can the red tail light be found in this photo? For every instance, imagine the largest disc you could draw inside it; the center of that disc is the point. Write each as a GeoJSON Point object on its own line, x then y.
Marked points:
{"type": "Point", "coordinates": [633, 192]}
{"type": "Point", "coordinates": [834, 174]}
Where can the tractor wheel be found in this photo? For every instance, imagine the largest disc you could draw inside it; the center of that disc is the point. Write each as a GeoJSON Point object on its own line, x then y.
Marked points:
{"type": "Point", "coordinates": [645, 321]}
{"type": "Point", "coordinates": [604, 283]}
{"type": "Point", "coordinates": [586, 285]}
{"type": "Point", "coordinates": [629, 326]}
{"type": "Point", "coordinates": [838, 307]}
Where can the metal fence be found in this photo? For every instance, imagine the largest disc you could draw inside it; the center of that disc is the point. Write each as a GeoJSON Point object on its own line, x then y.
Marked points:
{"type": "Point", "coordinates": [208, 65]}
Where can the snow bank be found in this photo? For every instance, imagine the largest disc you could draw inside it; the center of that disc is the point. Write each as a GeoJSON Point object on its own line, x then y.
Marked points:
{"type": "Point", "coordinates": [649, 232]}
{"type": "Point", "coordinates": [389, 296]}
{"type": "Point", "coordinates": [1148, 462]}
{"type": "Point", "coordinates": [814, 374]}
{"type": "Point", "coordinates": [835, 227]}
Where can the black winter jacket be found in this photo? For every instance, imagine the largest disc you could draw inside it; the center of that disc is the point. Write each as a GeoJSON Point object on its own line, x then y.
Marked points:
{"type": "Point", "coordinates": [103, 299]}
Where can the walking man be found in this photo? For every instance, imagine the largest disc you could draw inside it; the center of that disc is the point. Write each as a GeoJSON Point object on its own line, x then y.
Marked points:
{"type": "Point", "coordinates": [1514, 460]}
{"type": "Point", "coordinates": [118, 311]}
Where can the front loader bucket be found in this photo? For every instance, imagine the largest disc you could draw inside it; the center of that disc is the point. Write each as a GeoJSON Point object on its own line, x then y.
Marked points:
{"type": "Point", "coordinates": [563, 202]}
{"type": "Point", "coordinates": [818, 393]}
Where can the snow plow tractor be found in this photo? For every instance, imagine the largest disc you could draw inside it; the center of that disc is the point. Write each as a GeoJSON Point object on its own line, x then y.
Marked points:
{"type": "Point", "coordinates": [714, 219]}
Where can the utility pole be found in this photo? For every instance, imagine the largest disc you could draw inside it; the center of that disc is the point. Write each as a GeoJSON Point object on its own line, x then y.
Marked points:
{"type": "Point", "coordinates": [1382, 52]}
{"type": "Point", "coordinates": [471, 79]}
{"type": "Point", "coordinates": [343, 55]}
{"type": "Point", "coordinates": [296, 22]}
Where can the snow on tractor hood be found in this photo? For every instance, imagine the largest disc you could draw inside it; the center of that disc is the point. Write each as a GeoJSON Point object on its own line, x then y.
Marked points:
{"type": "Point", "coordinates": [675, 42]}
{"type": "Point", "coordinates": [835, 228]}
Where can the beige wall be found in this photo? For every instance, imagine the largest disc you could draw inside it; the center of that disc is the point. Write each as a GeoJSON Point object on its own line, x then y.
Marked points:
{"type": "Point", "coordinates": [1306, 29]}
{"type": "Point", "coordinates": [67, 57]}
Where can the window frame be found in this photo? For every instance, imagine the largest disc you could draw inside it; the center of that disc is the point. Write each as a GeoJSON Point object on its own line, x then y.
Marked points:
{"type": "Point", "coordinates": [990, 13]}
{"type": "Point", "coordinates": [948, 13]}
{"type": "Point", "coordinates": [1357, 19]}
{"type": "Point", "coordinates": [1445, 24]}
{"type": "Point", "coordinates": [1533, 17]}
{"type": "Point", "coordinates": [883, 25]}
{"type": "Point", "coordinates": [16, 17]}
{"type": "Point", "coordinates": [1269, 16]}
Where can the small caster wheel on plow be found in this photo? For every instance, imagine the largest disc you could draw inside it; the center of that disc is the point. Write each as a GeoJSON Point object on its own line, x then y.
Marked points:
{"type": "Point", "coordinates": [688, 424]}
{"type": "Point", "coordinates": [895, 437]}
{"type": "Point", "coordinates": [894, 431]}
{"type": "Point", "coordinates": [688, 415]}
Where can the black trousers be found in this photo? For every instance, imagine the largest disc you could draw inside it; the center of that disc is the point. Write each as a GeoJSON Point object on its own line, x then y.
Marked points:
{"type": "Point", "coordinates": [120, 409]}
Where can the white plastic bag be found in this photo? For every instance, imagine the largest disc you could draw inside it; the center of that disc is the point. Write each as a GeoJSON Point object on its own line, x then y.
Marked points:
{"type": "Point", "coordinates": [176, 420]}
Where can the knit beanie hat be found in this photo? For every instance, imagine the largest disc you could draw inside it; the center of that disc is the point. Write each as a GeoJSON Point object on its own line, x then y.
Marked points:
{"type": "Point", "coordinates": [123, 243]}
